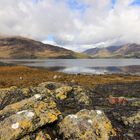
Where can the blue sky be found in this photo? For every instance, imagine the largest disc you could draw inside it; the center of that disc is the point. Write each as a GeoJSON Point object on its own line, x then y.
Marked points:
{"type": "Point", "coordinates": [76, 5]}
{"type": "Point", "coordinates": [113, 3]}
{"type": "Point", "coordinates": [73, 4]}
{"type": "Point", "coordinates": [136, 3]}
{"type": "Point", "coordinates": [50, 38]}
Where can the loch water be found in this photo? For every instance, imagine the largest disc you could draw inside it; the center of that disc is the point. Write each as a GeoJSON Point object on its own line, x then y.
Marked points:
{"type": "Point", "coordinates": [84, 66]}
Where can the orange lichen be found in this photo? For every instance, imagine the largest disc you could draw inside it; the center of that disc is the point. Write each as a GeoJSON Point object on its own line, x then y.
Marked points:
{"type": "Point", "coordinates": [108, 126]}
{"type": "Point", "coordinates": [39, 107]}
{"type": "Point", "coordinates": [61, 96]}
{"type": "Point", "coordinates": [61, 93]}
{"type": "Point", "coordinates": [26, 124]}
{"type": "Point", "coordinates": [52, 117]}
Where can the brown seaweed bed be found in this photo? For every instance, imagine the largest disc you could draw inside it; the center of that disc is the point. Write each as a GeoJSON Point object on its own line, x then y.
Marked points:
{"type": "Point", "coordinates": [22, 76]}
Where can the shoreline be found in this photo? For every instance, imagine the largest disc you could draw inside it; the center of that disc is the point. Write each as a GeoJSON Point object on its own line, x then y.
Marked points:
{"type": "Point", "coordinates": [23, 76]}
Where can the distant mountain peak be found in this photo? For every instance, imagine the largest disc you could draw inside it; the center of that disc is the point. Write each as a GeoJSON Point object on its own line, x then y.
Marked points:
{"type": "Point", "coordinates": [121, 51]}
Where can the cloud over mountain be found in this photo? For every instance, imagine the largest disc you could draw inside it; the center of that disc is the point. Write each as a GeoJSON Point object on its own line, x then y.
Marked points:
{"type": "Point", "coordinates": [75, 24]}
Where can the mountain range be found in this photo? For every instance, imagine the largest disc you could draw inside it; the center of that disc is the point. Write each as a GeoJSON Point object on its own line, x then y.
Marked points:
{"type": "Point", "coordinates": [122, 51]}
{"type": "Point", "coordinates": [20, 47]}
{"type": "Point", "coordinates": [17, 47]}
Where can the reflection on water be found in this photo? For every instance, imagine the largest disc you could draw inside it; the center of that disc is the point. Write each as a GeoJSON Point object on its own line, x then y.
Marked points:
{"type": "Point", "coordinates": [98, 70]}
{"type": "Point", "coordinates": [88, 66]}
{"type": "Point", "coordinates": [83, 70]}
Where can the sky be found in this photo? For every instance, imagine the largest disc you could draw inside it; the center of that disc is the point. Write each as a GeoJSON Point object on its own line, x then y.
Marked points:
{"type": "Point", "coordinates": [73, 24]}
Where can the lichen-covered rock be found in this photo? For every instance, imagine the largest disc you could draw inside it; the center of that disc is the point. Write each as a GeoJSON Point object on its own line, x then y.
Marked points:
{"type": "Point", "coordinates": [12, 95]}
{"type": "Point", "coordinates": [82, 95]}
{"type": "Point", "coordinates": [51, 89]}
{"type": "Point", "coordinates": [87, 125]}
{"type": "Point", "coordinates": [62, 92]}
{"type": "Point", "coordinates": [27, 116]}
{"type": "Point", "coordinates": [68, 98]}
{"type": "Point", "coordinates": [4, 92]}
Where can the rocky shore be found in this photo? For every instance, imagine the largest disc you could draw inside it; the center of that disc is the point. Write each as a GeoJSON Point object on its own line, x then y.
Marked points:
{"type": "Point", "coordinates": [56, 111]}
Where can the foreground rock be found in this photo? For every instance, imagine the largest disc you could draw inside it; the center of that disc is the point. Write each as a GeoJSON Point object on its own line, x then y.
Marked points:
{"type": "Point", "coordinates": [68, 98]}
{"type": "Point", "coordinates": [27, 116]}
{"type": "Point", "coordinates": [59, 111]}
{"type": "Point", "coordinates": [87, 125]}
{"type": "Point", "coordinates": [13, 94]}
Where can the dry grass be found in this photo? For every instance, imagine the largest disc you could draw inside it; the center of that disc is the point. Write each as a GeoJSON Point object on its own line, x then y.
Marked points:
{"type": "Point", "coordinates": [24, 77]}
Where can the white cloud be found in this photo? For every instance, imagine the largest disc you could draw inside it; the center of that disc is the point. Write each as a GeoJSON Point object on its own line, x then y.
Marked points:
{"type": "Point", "coordinates": [35, 20]}
{"type": "Point", "coordinates": [99, 24]}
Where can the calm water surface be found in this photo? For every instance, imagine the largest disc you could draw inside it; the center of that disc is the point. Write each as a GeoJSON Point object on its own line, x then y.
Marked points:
{"type": "Point", "coordinates": [88, 66]}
